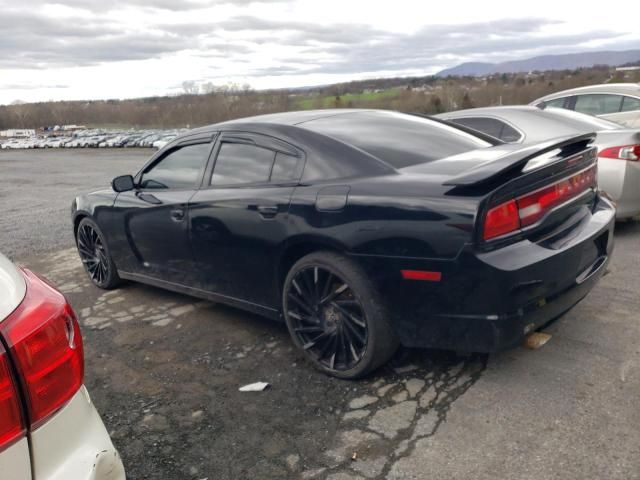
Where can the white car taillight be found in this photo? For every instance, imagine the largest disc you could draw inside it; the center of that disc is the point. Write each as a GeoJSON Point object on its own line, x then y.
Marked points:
{"type": "Point", "coordinates": [627, 152]}
{"type": "Point", "coordinates": [11, 423]}
{"type": "Point", "coordinates": [45, 345]}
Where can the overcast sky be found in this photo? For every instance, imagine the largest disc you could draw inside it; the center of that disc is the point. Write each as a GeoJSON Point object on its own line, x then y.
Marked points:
{"type": "Point", "coordinates": [89, 49]}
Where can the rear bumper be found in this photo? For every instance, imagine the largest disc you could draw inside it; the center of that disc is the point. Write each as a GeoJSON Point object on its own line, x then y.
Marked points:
{"type": "Point", "coordinates": [487, 302]}
{"type": "Point", "coordinates": [74, 444]}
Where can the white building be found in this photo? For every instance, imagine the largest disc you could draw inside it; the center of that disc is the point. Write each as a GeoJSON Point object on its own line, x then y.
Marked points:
{"type": "Point", "coordinates": [18, 133]}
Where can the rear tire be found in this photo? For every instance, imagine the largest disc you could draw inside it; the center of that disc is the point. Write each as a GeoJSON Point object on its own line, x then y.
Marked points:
{"type": "Point", "coordinates": [95, 255]}
{"type": "Point", "coordinates": [336, 317]}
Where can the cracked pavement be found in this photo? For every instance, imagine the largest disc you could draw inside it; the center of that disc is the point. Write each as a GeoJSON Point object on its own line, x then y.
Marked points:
{"type": "Point", "coordinates": [164, 371]}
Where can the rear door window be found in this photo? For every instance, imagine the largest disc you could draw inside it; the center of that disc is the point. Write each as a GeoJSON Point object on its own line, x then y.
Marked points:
{"type": "Point", "coordinates": [242, 164]}
{"type": "Point", "coordinates": [630, 103]}
{"type": "Point", "coordinates": [556, 102]}
{"type": "Point", "coordinates": [286, 168]}
{"type": "Point", "coordinates": [598, 104]}
{"type": "Point", "coordinates": [490, 126]}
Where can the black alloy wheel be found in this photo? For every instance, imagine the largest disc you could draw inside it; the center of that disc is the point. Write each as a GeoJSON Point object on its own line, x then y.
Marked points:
{"type": "Point", "coordinates": [334, 316]}
{"type": "Point", "coordinates": [95, 255]}
{"type": "Point", "coordinates": [328, 320]}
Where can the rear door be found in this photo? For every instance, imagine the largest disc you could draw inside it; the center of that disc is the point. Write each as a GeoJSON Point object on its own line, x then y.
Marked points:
{"type": "Point", "coordinates": [239, 219]}
{"type": "Point", "coordinates": [153, 217]}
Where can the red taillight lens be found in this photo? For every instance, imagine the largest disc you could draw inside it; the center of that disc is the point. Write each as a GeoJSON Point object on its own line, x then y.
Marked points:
{"type": "Point", "coordinates": [501, 220]}
{"type": "Point", "coordinates": [530, 208]}
{"type": "Point", "coordinates": [626, 152]}
{"type": "Point", "coordinates": [533, 206]}
{"type": "Point", "coordinates": [46, 346]}
{"type": "Point", "coordinates": [11, 425]}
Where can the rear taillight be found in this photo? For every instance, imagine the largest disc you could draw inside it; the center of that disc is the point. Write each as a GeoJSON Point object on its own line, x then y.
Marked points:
{"type": "Point", "coordinates": [627, 152]}
{"type": "Point", "coordinates": [45, 345]}
{"type": "Point", "coordinates": [11, 424]}
{"type": "Point", "coordinates": [528, 209]}
{"type": "Point", "coordinates": [501, 220]}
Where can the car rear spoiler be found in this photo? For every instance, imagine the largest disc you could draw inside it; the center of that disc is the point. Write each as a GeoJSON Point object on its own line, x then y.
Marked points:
{"type": "Point", "coordinates": [517, 159]}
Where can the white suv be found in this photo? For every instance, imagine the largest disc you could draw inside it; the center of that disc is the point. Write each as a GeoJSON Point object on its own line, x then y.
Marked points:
{"type": "Point", "coordinates": [49, 429]}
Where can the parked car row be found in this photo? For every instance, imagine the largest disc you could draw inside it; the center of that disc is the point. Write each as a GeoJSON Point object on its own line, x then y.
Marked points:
{"type": "Point", "coordinates": [95, 139]}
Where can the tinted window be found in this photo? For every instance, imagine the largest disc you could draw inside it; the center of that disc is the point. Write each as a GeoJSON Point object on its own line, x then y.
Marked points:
{"type": "Point", "coordinates": [556, 102]}
{"type": "Point", "coordinates": [630, 103]}
{"type": "Point", "coordinates": [490, 126]}
{"type": "Point", "coordinates": [285, 168]}
{"type": "Point", "coordinates": [239, 163]}
{"type": "Point", "coordinates": [398, 139]}
{"type": "Point", "coordinates": [179, 169]}
{"type": "Point", "coordinates": [598, 104]}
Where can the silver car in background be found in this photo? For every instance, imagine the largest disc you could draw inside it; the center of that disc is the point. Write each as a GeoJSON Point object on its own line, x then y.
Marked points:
{"type": "Point", "coordinates": [618, 147]}
{"type": "Point", "coordinates": [49, 428]}
{"type": "Point", "coordinates": [618, 102]}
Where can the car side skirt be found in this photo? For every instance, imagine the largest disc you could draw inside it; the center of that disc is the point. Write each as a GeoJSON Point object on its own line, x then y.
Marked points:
{"type": "Point", "coordinates": [203, 294]}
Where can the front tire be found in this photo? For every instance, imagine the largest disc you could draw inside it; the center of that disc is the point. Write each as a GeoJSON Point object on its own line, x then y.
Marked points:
{"type": "Point", "coordinates": [95, 255]}
{"type": "Point", "coordinates": [336, 317]}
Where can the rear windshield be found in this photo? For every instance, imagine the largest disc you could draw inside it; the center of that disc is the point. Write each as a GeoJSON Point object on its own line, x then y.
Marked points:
{"type": "Point", "coordinates": [398, 139]}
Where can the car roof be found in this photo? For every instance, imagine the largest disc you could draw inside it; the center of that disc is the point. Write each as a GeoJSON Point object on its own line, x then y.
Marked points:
{"type": "Point", "coordinates": [529, 111]}
{"type": "Point", "coordinates": [282, 118]}
{"type": "Point", "coordinates": [606, 88]}
{"type": "Point", "coordinates": [394, 138]}
{"type": "Point", "coordinates": [536, 124]}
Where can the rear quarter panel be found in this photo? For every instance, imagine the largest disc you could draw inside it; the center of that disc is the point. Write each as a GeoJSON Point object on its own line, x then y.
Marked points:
{"type": "Point", "coordinates": [388, 216]}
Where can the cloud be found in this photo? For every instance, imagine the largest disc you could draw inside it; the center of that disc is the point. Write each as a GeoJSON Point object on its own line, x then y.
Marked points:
{"type": "Point", "coordinates": [80, 34]}
{"type": "Point", "coordinates": [16, 86]}
{"type": "Point", "coordinates": [170, 5]}
{"type": "Point", "coordinates": [344, 49]}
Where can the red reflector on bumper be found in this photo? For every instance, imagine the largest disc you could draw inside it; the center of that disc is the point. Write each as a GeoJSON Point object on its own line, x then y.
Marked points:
{"type": "Point", "coordinates": [421, 275]}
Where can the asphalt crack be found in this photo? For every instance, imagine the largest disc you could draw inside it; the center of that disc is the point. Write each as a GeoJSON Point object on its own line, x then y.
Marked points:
{"type": "Point", "coordinates": [425, 393]}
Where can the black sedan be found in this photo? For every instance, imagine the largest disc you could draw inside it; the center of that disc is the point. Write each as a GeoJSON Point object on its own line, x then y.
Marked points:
{"type": "Point", "coordinates": [361, 229]}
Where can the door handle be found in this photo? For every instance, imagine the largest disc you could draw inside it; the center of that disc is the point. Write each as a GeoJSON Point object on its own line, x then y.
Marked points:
{"type": "Point", "coordinates": [267, 211]}
{"type": "Point", "coordinates": [148, 197]}
{"type": "Point", "coordinates": [177, 215]}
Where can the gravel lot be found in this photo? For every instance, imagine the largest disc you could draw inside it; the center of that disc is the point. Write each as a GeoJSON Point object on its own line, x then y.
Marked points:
{"type": "Point", "coordinates": [164, 371]}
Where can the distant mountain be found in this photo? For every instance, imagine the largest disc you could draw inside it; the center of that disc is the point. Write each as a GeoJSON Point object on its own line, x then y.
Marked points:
{"type": "Point", "coordinates": [545, 62]}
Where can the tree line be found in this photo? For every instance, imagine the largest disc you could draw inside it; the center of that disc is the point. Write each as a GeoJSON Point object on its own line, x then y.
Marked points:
{"type": "Point", "coordinates": [427, 95]}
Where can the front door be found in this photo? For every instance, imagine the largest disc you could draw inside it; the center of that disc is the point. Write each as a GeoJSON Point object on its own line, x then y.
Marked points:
{"type": "Point", "coordinates": [154, 218]}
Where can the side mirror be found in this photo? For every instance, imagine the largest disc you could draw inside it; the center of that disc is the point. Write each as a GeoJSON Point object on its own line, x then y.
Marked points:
{"type": "Point", "coordinates": [123, 183]}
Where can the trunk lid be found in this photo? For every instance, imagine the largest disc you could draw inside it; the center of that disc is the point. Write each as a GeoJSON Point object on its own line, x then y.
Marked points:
{"type": "Point", "coordinates": [510, 175]}
{"type": "Point", "coordinates": [617, 138]}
